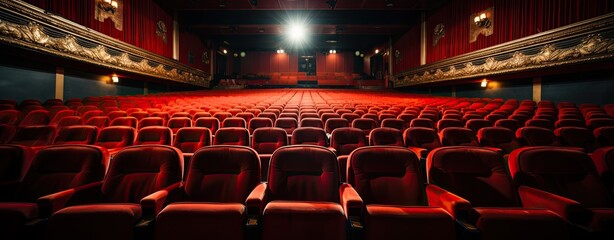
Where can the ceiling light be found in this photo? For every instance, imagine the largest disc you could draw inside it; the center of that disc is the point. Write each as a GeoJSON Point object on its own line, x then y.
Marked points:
{"type": "Point", "coordinates": [332, 51]}
{"type": "Point", "coordinates": [297, 32]}
{"type": "Point", "coordinates": [484, 83]}
{"type": "Point", "coordinates": [242, 54]}
{"type": "Point", "coordinates": [115, 78]}
{"type": "Point", "coordinates": [280, 51]}
{"type": "Point", "coordinates": [224, 51]}
{"type": "Point", "coordinates": [376, 51]}
{"type": "Point", "coordinates": [357, 53]}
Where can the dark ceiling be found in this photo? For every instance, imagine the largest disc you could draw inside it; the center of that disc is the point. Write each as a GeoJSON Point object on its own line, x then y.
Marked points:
{"type": "Point", "coordinates": [351, 25]}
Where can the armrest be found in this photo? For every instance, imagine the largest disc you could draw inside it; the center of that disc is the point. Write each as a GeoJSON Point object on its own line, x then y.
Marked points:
{"type": "Point", "coordinates": [255, 200]}
{"type": "Point", "coordinates": [499, 150]}
{"type": "Point", "coordinates": [457, 207]}
{"type": "Point", "coordinates": [570, 210]}
{"type": "Point", "coordinates": [350, 200]}
{"type": "Point", "coordinates": [420, 152]}
{"type": "Point", "coordinates": [51, 203]}
{"type": "Point", "coordinates": [333, 150]}
{"type": "Point", "coordinates": [153, 203]}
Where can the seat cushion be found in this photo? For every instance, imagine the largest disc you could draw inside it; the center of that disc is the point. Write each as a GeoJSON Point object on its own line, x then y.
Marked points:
{"type": "Point", "coordinates": [603, 219]}
{"type": "Point", "coordinates": [519, 223]}
{"type": "Point", "coordinates": [398, 222]}
{"type": "Point", "coordinates": [191, 220]}
{"type": "Point", "coordinates": [303, 221]}
{"type": "Point", "coordinates": [95, 221]}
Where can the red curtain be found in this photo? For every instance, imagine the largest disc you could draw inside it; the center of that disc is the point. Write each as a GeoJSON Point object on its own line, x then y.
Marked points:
{"type": "Point", "coordinates": [513, 19]}
{"type": "Point", "coordinates": [140, 18]}
{"type": "Point", "coordinates": [409, 50]}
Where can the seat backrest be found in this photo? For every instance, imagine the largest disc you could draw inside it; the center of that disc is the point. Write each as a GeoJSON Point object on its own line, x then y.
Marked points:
{"type": "Point", "coordinates": [395, 123]}
{"type": "Point", "coordinates": [61, 114]}
{"type": "Point", "coordinates": [14, 162]}
{"type": "Point", "coordinates": [211, 123]}
{"type": "Point", "coordinates": [98, 121]}
{"type": "Point", "coordinates": [446, 123]}
{"type": "Point", "coordinates": [498, 137]}
{"type": "Point", "coordinates": [303, 173]}
{"type": "Point", "coordinates": [34, 136]}
{"type": "Point", "coordinates": [6, 133]}
{"type": "Point", "coordinates": [115, 114]}
{"type": "Point", "coordinates": [178, 122]}
{"type": "Point", "coordinates": [77, 134]}
{"type": "Point", "coordinates": [350, 116]}
{"type": "Point", "coordinates": [154, 135]}
{"type": "Point", "coordinates": [246, 115]}
{"type": "Point", "coordinates": [92, 113]}
{"type": "Point", "coordinates": [57, 168]}
{"type": "Point", "coordinates": [259, 122]}
{"type": "Point", "coordinates": [138, 171]}
{"type": "Point", "coordinates": [234, 122]}
{"type": "Point", "coordinates": [594, 123]}
{"type": "Point", "coordinates": [115, 137]}
{"type": "Point", "coordinates": [569, 123]}
{"type": "Point", "coordinates": [222, 174]}
{"type": "Point", "coordinates": [288, 124]}
{"type": "Point", "coordinates": [69, 121]}
{"type": "Point", "coordinates": [151, 121]}
{"type": "Point", "coordinates": [603, 159]}
{"type": "Point", "coordinates": [334, 123]}
{"type": "Point", "coordinates": [386, 136]}
{"type": "Point", "coordinates": [476, 124]}
{"type": "Point", "coordinates": [577, 137]}
{"type": "Point", "coordinates": [268, 139]}
{"type": "Point", "coordinates": [232, 136]}
{"type": "Point", "coordinates": [510, 124]}
{"type": "Point", "coordinates": [422, 122]}
{"type": "Point", "coordinates": [364, 124]}
{"type": "Point", "coordinates": [604, 135]}
{"type": "Point", "coordinates": [222, 115]}
{"type": "Point", "coordinates": [312, 122]}
{"type": "Point", "coordinates": [345, 140]}
{"type": "Point", "coordinates": [473, 173]}
{"type": "Point", "coordinates": [536, 136]}
{"type": "Point", "coordinates": [458, 136]}
{"type": "Point", "coordinates": [309, 136]}
{"type": "Point", "coordinates": [36, 117]}
{"type": "Point", "coordinates": [190, 139]}
{"type": "Point", "coordinates": [386, 175]}
{"type": "Point", "coordinates": [422, 137]}
{"type": "Point", "coordinates": [543, 123]}
{"type": "Point", "coordinates": [566, 172]}
{"type": "Point", "coordinates": [125, 121]}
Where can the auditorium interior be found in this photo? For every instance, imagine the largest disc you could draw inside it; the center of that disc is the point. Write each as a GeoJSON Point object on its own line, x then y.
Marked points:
{"type": "Point", "coordinates": [306, 119]}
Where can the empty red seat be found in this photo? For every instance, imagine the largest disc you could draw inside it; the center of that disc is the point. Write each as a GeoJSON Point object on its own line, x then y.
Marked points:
{"type": "Point", "coordinates": [510, 124]}
{"type": "Point", "coordinates": [92, 113]}
{"type": "Point", "coordinates": [309, 136]}
{"type": "Point", "coordinates": [36, 117]}
{"type": "Point", "coordinates": [166, 116]}
{"type": "Point", "coordinates": [139, 114]}
{"type": "Point", "coordinates": [125, 121]}
{"type": "Point", "coordinates": [334, 123]}
{"type": "Point", "coordinates": [98, 121]}
{"type": "Point", "coordinates": [476, 124]}
{"type": "Point", "coordinates": [234, 122]}
{"type": "Point", "coordinates": [265, 141]}
{"type": "Point", "coordinates": [246, 115]}
{"type": "Point", "coordinates": [343, 141]}
{"type": "Point", "coordinates": [288, 124]}
{"type": "Point", "coordinates": [222, 115]}
{"type": "Point", "coordinates": [539, 123]}
{"type": "Point", "coordinates": [54, 170]}
{"type": "Point", "coordinates": [604, 135]}
{"type": "Point", "coordinates": [211, 123]}
{"type": "Point", "coordinates": [55, 119]}
{"type": "Point", "coordinates": [220, 178]}
{"type": "Point", "coordinates": [392, 200]}
{"type": "Point", "coordinates": [137, 183]}
{"type": "Point", "coordinates": [155, 135]}
{"type": "Point", "coordinates": [115, 114]}
{"type": "Point", "coordinates": [595, 123]}
{"type": "Point", "coordinates": [445, 123]}
{"type": "Point", "coordinates": [14, 163]}
{"type": "Point", "coordinates": [536, 136]}
{"type": "Point", "coordinates": [458, 136]}
{"type": "Point", "coordinates": [151, 121]}
{"type": "Point", "coordinates": [77, 134]}
{"type": "Point", "coordinates": [566, 182]}
{"type": "Point", "coordinates": [259, 122]}
{"type": "Point", "coordinates": [603, 158]}
{"type": "Point", "coordinates": [303, 185]}
{"type": "Point", "coordinates": [473, 185]}
{"type": "Point", "coordinates": [395, 123]}
{"type": "Point", "coordinates": [69, 121]}
{"type": "Point", "coordinates": [421, 140]}
{"type": "Point", "coordinates": [498, 137]}
{"type": "Point", "coordinates": [231, 136]}
{"type": "Point", "coordinates": [6, 133]}
{"type": "Point", "coordinates": [569, 123]}
{"type": "Point", "coordinates": [312, 122]}
{"type": "Point", "coordinates": [115, 138]}
{"type": "Point", "coordinates": [364, 124]}
{"type": "Point", "coordinates": [177, 123]}
{"type": "Point", "coordinates": [422, 122]}
{"type": "Point", "coordinates": [386, 136]}
{"type": "Point", "coordinates": [578, 137]}
{"type": "Point", "coordinates": [34, 136]}
{"type": "Point", "coordinates": [350, 116]}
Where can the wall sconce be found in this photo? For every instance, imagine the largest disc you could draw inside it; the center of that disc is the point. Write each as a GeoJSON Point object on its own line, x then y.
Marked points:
{"type": "Point", "coordinates": [332, 51]}
{"type": "Point", "coordinates": [109, 9]}
{"type": "Point", "coordinates": [280, 51]}
{"type": "Point", "coordinates": [484, 83]}
{"type": "Point", "coordinates": [114, 79]}
{"type": "Point", "coordinates": [481, 23]}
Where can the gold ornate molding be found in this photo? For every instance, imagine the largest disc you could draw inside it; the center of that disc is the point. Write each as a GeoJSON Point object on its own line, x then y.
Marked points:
{"type": "Point", "coordinates": [31, 28]}
{"type": "Point", "coordinates": [116, 16]}
{"type": "Point", "coordinates": [586, 41]}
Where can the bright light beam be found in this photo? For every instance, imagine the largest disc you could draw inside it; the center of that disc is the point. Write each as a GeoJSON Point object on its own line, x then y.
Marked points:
{"type": "Point", "coordinates": [297, 32]}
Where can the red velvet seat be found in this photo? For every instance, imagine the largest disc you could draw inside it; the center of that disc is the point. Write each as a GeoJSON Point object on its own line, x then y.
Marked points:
{"type": "Point", "coordinates": [136, 186]}
{"type": "Point", "coordinates": [364, 124]}
{"type": "Point", "coordinates": [54, 169]}
{"type": "Point", "coordinates": [36, 117]}
{"type": "Point", "coordinates": [333, 123]}
{"type": "Point", "coordinates": [115, 138]}
{"type": "Point", "coordinates": [446, 123]}
{"type": "Point", "coordinates": [219, 180]}
{"type": "Point", "coordinates": [234, 122]}
{"type": "Point", "coordinates": [34, 136]}
{"type": "Point", "coordinates": [259, 122]}
{"type": "Point", "coordinates": [343, 141]}
{"type": "Point", "coordinates": [246, 115]}
{"type": "Point", "coordinates": [476, 124]}
{"type": "Point", "coordinates": [422, 122]}
{"type": "Point", "coordinates": [473, 185]}
{"type": "Point", "coordinates": [61, 114]}
{"type": "Point", "coordinates": [78, 134]}
{"type": "Point", "coordinates": [288, 124]}
{"type": "Point", "coordinates": [265, 141]}
{"type": "Point", "coordinates": [155, 135]}
{"type": "Point", "coordinates": [14, 163]}
{"type": "Point", "coordinates": [6, 133]}
{"type": "Point", "coordinates": [536, 136]}
{"type": "Point", "coordinates": [312, 122]}
{"type": "Point", "coordinates": [302, 196]}
{"type": "Point", "coordinates": [603, 159]}
{"type": "Point", "coordinates": [211, 123]}
{"type": "Point", "coordinates": [232, 136]}
{"type": "Point", "coordinates": [222, 115]}
{"type": "Point", "coordinates": [510, 124]}
{"type": "Point", "coordinates": [69, 121]}
{"type": "Point", "coordinates": [115, 114]}
{"type": "Point", "coordinates": [393, 204]}
{"type": "Point", "coordinates": [569, 123]}
{"type": "Point", "coordinates": [151, 121]}
{"type": "Point", "coordinates": [395, 123]}
{"type": "Point", "coordinates": [125, 121]}
{"type": "Point", "coordinates": [458, 136]}
{"type": "Point", "coordinates": [421, 140]}
{"type": "Point", "coordinates": [139, 114]}
{"type": "Point", "coordinates": [595, 123]}
{"type": "Point", "coordinates": [98, 121]}
{"type": "Point", "coordinates": [578, 137]}
{"type": "Point", "coordinates": [92, 113]}
{"type": "Point", "coordinates": [604, 135]}
{"type": "Point", "coordinates": [539, 123]}
{"type": "Point", "coordinates": [566, 182]}
{"type": "Point", "coordinates": [350, 116]}
{"type": "Point", "coordinates": [309, 136]}
{"type": "Point", "coordinates": [386, 136]}
{"type": "Point", "coordinates": [498, 137]}
{"type": "Point", "coordinates": [177, 123]}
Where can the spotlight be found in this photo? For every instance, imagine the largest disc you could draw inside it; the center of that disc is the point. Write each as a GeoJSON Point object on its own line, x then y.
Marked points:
{"type": "Point", "coordinates": [376, 51]}
{"type": "Point", "coordinates": [362, 55]}
{"type": "Point", "coordinates": [235, 54]}
{"type": "Point", "coordinates": [357, 53]}
{"type": "Point", "coordinates": [280, 51]}
{"type": "Point", "coordinates": [297, 32]}
{"type": "Point", "coordinates": [224, 51]}
{"type": "Point", "coordinates": [242, 54]}
{"type": "Point", "coordinates": [115, 78]}
{"type": "Point", "coordinates": [332, 51]}
{"type": "Point", "coordinates": [331, 3]}
{"type": "Point", "coordinates": [484, 83]}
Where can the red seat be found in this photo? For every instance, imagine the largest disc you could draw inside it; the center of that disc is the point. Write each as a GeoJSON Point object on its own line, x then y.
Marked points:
{"type": "Point", "coordinates": [92, 113]}
{"type": "Point", "coordinates": [421, 140]}
{"type": "Point", "coordinates": [234, 122]}
{"type": "Point", "coordinates": [536, 136]}
{"type": "Point", "coordinates": [539, 123]}
{"type": "Point", "coordinates": [595, 123]}
{"type": "Point", "coordinates": [125, 121]}
{"type": "Point", "coordinates": [54, 169]}
{"type": "Point", "coordinates": [603, 159]}
{"type": "Point", "coordinates": [115, 138]}
{"type": "Point", "coordinates": [246, 115]}
{"type": "Point", "coordinates": [211, 123]}
{"type": "Point", "coordinates": [334, 123]}
{"type": "Point", "coordinates": [578, 137]}
{"type": "Point", "coordinates": [166, 116]}
{"type": "Point", "coordinates": [98, 121]}
{"type": "Point", "coordinates": [395, 123]}
{"type": "Point", "coordinates": [265, 141]}
{"type": "Point", "coordinates": [312, 122]}
{"type": "Point", "coordinates": [473, 185]}
{"type": "Point", "coordinates": [288, 124]}
{"type": "Point", "coordinates": [139, 114]}
{"type": "Point", "coordinates": [137, 174]}
{"type": "Point", "coordinates": [498, 137]}
{"type": "Point", "coordinates": [343, 141]}
{"type": "Point", "coordinates": [386, 136]}
{"type": "Point", "coordinates": [476, 124]}
{"type": "Point", "coordinates": [458, 136]}
{"type": "Point", "coordinates": [350, 116]}
{"type": "Point", "coordinates": [69, 121]}
{"type": "Point", "coordinates": [222, 115]}
{"type": "Point", "coordinates": [566, 182]}
{"type": "Point", "coordinates": [14, 163]}
{"type": "Point", "coordinates": [115, 114]}
{"type": "Point", "coordinates": [303, 185]}
{"type": "Point", "coordinates": [364, 124]}
{"type": "Point", "coordinates": [605, 135]}
{"type": "Point", "coordinates": [6, 133]}
{"type": "Point", "coordinates": [259, 122]}
{"type": "Point", "coordinates": [391, 187]}
{"type": "Point", "coordinates": [177, 123]}
{"type": "Point", "coordinates": [231, 136]}
{"type": "Point", "coordinates": [34, 136]}
{"type": "Point", "coordinates": [61, 114]}
{"type": "Point", "coordinates": [422, 122]}
{"type": "Point", "coordinates": [36, 117]}
{"type": "Point", "coordinates": [510, 124]}
{"type": "Point", "coordinates": [219, 180]}
{"type": "Point", "coordinates": [569, 123]}
{"type": "Point", "coordinates": [154, 135]}
{"type": "Point", "coordinates": [78, 134]}
{"type": "Point", "coordinates": [309, 136]}
{"type": "Point", "coordinates": [446, 123]}
{"type": "Point", "coordinates": [151, 121]}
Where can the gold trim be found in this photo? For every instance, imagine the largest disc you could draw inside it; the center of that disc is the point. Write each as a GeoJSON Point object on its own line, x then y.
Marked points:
{"type": "Point", "coordinates": [592, 47]}
{"type": "Point", "coordinates": [32, 36]}
{"type": "Point", "coordinates": [117, 16]}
